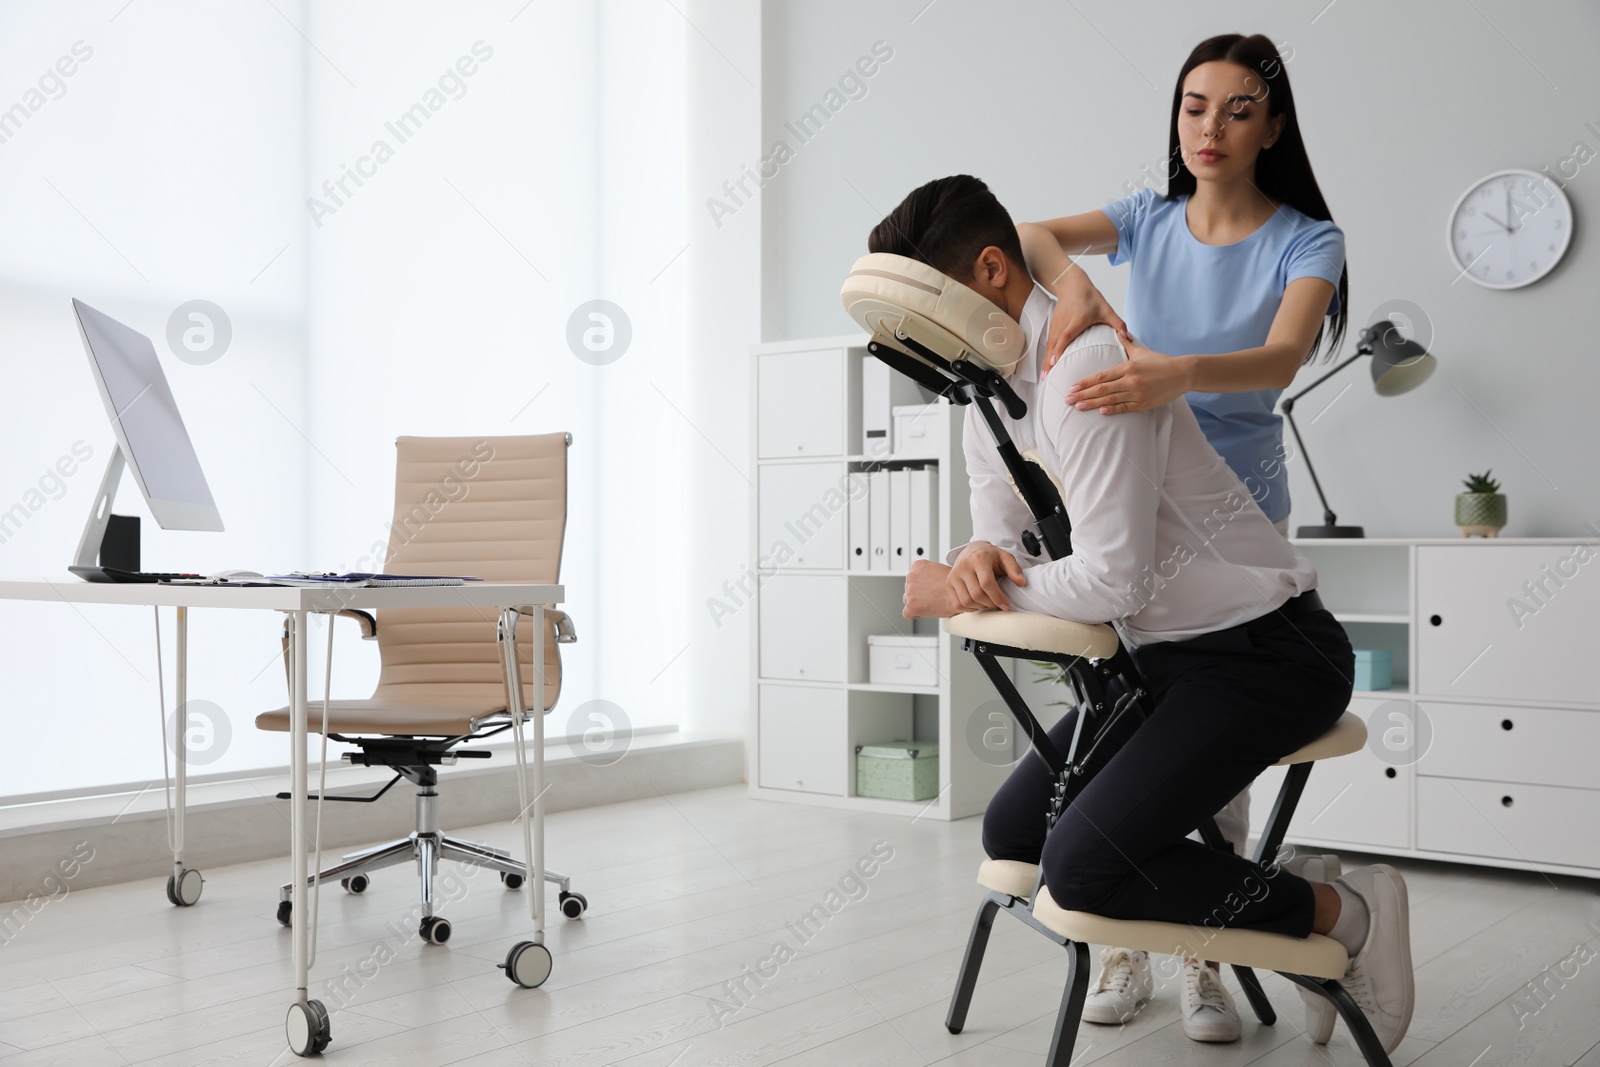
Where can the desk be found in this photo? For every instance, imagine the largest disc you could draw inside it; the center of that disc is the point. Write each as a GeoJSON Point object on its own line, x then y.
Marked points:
{"type": "Point", "coordinates": [509, 599]}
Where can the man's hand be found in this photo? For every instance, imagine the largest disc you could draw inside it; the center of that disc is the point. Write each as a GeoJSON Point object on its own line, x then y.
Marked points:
{"type": "Point", "coordinates": [928, 592]}
{"type": "Point", "coordinates": [974, 581]}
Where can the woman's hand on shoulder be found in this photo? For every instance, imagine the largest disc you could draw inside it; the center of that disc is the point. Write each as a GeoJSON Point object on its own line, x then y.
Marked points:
{"type": "Point", "coordinates": [1146, 379]}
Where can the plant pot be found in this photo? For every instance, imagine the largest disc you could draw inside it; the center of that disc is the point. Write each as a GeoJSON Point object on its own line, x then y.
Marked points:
{"type": "Point", "coordinates": [1480, 514]}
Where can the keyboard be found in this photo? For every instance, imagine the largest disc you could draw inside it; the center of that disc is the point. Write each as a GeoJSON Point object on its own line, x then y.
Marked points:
{"type": "Point", "coordinates": [114, 574]}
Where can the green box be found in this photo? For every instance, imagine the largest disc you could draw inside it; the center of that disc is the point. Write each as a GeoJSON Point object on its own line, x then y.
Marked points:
{"type": "Point", "coordinates": [898, 770]}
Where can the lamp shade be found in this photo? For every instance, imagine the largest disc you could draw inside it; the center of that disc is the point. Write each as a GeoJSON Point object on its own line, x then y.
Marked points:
{"type": "Point", "coordinates": [1398, 365]}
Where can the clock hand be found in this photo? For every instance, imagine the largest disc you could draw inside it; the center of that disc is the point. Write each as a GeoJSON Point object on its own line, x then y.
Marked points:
{"type": "Point", "coordinates": [1497, 222]}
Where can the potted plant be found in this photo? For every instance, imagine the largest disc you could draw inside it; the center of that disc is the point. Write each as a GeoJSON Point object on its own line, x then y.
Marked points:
{"type": "Point", "coordinates": [1481, 510]}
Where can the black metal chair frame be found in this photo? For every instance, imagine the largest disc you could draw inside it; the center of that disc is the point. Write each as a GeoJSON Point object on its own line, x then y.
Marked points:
{"type": "Point", "coordinates": [964, 382]}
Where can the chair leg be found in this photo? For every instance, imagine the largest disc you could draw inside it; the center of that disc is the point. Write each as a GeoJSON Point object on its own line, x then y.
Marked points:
{"type": "Point", "coordinates": [1071, 1013]}
{"type": "Point", "coordinates": [1360, 1029]}
{"type": "Point", "coordinates": [967, 978]}
{"type": "Point", "coordinates": [1255, 995]}
{"type": "Point", "coordinates": [453, 848]}
{"type": "Point", "coordinates": [1366, 1040]}
{"type": "Point", "coordinates": [361, 863]}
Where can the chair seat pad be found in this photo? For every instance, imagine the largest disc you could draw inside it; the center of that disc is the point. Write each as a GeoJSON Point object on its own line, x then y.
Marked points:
{"type": "Point", "coordinates": [1348, 735]}
{"type": "Point", "coordinates": [1316, 955]}
{"type": "Point", "coordinates": [1012, 877]}
{"type": "Point", "coordinates": [434, 718]}
{"type": "Point", "coordinates": [1036, 633]}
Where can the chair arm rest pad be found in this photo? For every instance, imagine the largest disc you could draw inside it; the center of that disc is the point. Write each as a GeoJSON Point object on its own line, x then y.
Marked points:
{"type": "Point", "coordinates": [367, 621]}
{"type": "Point", "coordinates": [566, 634]}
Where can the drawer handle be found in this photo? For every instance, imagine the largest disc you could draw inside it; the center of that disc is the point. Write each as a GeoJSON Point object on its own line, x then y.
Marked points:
{"type": "Point", "coordinates": [1505, 802]}
{"type": "Point", "coordinates": [1435, 620]}
{"type": "Point", "coordinates": [1505, 724]}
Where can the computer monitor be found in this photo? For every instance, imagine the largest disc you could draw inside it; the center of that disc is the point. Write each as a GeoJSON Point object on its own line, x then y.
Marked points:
{"type": "Point", "coordinates": [149, 431]}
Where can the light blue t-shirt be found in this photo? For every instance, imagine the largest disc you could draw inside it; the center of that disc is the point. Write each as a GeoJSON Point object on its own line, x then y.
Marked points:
{"type": "Point", "coordinates": [1189, 298]}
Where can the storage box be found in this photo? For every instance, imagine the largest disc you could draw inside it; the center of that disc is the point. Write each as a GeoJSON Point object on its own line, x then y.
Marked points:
{"type": "Point", "coordinates": [916, 428]}
{"type": "Point", "coordinates": [1373, 666]}
{"type": "Point", "coordinates": [902, 659]}
{"type": "Point", "coordinates": [898, 770]}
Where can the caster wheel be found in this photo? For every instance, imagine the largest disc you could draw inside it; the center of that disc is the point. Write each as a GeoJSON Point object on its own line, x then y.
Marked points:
{"type": "Point", "coordinates": [308, 1029]}
{"type": "Point", "coordinates": [511, 881]}
{"type": "Point", "coordinates": [183, 888]}
{"type": "Point", "coordinates": [285, 907]}
{"type": "Point", "coordinates": [527, 964]}
{"type": "Point", "coordinates": [435, 930]}
{"type": "Point", "coordinates": [573, 905]}
{"type": "Point", "coordinates": [356, 884]}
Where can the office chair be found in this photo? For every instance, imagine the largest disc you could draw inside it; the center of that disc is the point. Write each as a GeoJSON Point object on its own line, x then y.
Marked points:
{"type": "Point", "coordinates": [494, 508]}
{"type": "Point", "coordinates": [945, 336]}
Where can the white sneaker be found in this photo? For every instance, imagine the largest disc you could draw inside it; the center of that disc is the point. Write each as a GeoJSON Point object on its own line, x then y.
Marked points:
{"type": "Point", "coordinates": [1380, 978]}
{"type": "Point", "coordinates": [1321, 1015]}
{"type": "Point", "coordinates": [1125, 985]}
{"type": "Point", "coordinates": [1208, 1010]}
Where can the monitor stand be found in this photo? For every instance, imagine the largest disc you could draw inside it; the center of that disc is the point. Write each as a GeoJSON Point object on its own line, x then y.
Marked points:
{"type": "Point", "coordinates": [109, 549]}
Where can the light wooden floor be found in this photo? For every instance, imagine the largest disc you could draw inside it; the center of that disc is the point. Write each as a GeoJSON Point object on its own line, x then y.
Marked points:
{"type": "Point", "coordinates": [689, 894]}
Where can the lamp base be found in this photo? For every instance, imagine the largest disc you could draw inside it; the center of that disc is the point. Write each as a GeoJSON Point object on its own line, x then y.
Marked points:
{"type": "Point", "coordinates": [1330, 531]}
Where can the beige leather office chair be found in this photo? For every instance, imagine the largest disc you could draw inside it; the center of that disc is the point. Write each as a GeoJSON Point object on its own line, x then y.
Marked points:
{"type": "Point", "coordinates": [495, 508]}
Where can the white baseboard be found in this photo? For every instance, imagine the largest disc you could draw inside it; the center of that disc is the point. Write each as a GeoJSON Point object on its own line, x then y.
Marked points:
{"type": "Point", "coordinates": [239, 821]}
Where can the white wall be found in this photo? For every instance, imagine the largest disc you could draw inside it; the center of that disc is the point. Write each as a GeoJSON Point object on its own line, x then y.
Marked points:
{"type": "Point", "coordinates": [1058, 107]}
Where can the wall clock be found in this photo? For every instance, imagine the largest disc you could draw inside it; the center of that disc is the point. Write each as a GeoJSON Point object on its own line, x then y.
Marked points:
{"type": "Point", "coordinates": [1510, 229]}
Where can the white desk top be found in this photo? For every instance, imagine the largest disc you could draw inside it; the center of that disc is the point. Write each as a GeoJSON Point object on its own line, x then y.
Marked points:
{"type": "Point", "coordinates": [284, 597]}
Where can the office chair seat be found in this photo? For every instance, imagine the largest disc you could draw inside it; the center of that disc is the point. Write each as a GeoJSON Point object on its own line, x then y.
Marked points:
{"type": "Point", "coordinates": [1038, 633]}
{"type": "Point", "coordinates": [437, 717]}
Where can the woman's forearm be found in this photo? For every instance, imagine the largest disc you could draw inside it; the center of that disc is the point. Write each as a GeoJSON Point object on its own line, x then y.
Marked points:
{"type": "Point", "coordinates": [1049, 265]}
{"type": "Point", "coordinates": [1271, 366]}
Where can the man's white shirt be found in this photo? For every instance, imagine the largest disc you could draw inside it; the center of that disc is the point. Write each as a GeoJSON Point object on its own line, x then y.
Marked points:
{"type": "Point", "coordinates": [1166, 541]}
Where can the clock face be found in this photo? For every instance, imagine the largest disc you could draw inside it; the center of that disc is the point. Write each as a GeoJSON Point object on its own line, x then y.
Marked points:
{"type": "Point", "coordinates": [1510, 229]}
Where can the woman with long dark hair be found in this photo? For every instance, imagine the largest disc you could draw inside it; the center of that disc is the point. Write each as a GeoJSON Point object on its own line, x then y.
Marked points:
{"type": "Point", "coordinates": [1238, 277]}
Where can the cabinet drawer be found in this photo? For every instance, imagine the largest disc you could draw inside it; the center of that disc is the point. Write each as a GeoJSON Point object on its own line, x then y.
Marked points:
{"type": "Point", "coordinates": [1543, 745]}
{"type": "Point", "coordinates": [802, 621]}
{"type": "Point", "coordinates": [800, 404]}
{"type": "Point", "coordinates": [803, 510]}
{"type": "Point", "coordinates": [1536, 826]}
{"type": "Point", "coordinates": [802, 740]}
{"type": "Point", "coordinates": [1351, 798]}
{"type": "Point", "coordinates": [1516, 623]}
{"type": "Point", "coordinates": [1357, 798]}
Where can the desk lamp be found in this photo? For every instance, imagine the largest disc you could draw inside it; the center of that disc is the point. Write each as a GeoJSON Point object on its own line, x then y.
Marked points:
{"type": "Point", "coordinates": [1398, 366]}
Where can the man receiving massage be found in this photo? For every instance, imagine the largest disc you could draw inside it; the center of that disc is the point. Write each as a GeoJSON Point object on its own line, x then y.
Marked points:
{"type": "Point", "coordinates": [1218, 610]}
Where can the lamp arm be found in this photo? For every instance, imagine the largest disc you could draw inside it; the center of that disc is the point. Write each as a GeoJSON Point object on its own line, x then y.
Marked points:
{"type": "Point", "coordinates": [1328, 517]}
{"type": "Point", "coordinates": [1362, 350]}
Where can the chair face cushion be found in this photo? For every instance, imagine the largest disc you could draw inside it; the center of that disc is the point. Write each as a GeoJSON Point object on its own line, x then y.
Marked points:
{"type": "Point", "coordinates": [895, 297]}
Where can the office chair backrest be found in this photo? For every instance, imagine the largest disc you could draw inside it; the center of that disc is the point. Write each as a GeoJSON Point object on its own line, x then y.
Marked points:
{"type": "Point", "coordinates": [494, 507]}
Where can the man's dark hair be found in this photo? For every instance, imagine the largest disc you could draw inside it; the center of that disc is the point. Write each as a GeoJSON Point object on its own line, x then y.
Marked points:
{"type": "Point", "coordinates": [945, 224]}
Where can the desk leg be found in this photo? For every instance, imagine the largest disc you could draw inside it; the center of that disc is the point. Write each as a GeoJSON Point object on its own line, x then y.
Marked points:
{"type": "Point", "coordinates": [183, 884]}
{"type": "Point", "coordinates": [307, 1023]}
{"type": "Point", "coordinates": [529, 962]}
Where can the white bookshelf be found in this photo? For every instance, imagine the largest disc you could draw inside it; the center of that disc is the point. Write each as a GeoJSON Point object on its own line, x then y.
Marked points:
{"type": "Point", "coordinates": [811, 700]}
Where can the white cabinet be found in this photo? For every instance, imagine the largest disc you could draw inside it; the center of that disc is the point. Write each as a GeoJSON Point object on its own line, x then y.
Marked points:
{"type": "Point", "coordinates": [802, 619]}
{"type": "Point", "coordinates": [800, 404]}
{"type": "Point", "coordinates": [803, 510]}
{"type": "Point", "coordinates": [801, 730]}
{"type": "Point", "coordinates": [1513, 622]}
{"type": "Point", "coordinates": [1497, 645]}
